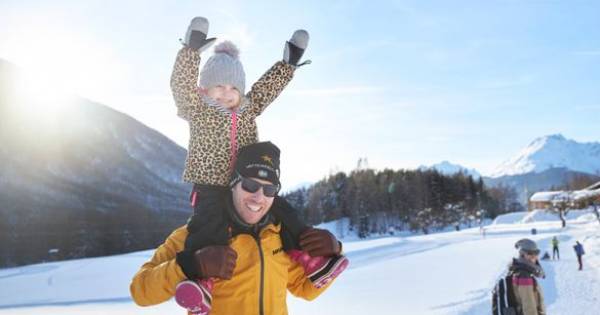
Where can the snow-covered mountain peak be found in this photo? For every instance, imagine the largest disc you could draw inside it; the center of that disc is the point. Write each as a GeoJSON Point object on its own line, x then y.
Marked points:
{"type": "Point", "coordinates": [553, 151]}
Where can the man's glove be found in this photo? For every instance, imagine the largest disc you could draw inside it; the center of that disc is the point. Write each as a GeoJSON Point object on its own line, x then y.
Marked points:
{"type": "Point", "coordinates": [319, 242]}
{"type": "Point", "coordinates": [215, 261]}
{"type": "Point", "coordinates": [295, 47]}
{"type": "Point", "coordinates": [195, 37]}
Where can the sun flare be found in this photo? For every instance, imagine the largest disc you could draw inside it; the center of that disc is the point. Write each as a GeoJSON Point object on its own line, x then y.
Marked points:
{"type": "Point", "coordinates": [58, 63]}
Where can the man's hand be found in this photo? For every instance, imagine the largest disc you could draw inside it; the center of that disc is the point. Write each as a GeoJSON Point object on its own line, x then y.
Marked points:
{"type": "Point", "coordinates": [195, 37]}
{"type": "Point", "coordinates": [215, 261]}
{"type": "Point", "coordinates": [319, 242]}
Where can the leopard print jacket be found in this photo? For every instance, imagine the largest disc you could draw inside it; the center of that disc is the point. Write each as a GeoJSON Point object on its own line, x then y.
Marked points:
{"type": "Point", "coordinates": [210, 146]}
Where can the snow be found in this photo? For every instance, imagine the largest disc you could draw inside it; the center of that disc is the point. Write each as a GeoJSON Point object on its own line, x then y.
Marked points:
{"type": "Point", "coordinates": [447, 273]}
{"type": "Point", "coordinates": [595, 186]}
{"type": "Point", "coordinates": [548, 196]}
{"type": "Point", "coordinates": [545, 195]}
{"type": "Point", "coordinates": [541, 215]}
{"type": "Point", "coordinates": [551, 152]}
{"type": "Point", "coordinates": [585, 194]}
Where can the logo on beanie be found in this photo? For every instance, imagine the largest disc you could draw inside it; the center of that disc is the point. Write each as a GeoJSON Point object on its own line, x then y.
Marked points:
{"type": "Point", "coordinates": [263, 174]}
{"type": "Point", "coordinates": [267, 159]}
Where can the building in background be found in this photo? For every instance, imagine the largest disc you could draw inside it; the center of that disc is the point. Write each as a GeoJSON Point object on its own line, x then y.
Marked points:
{"type": "Point", "coordinates": [576, 199]}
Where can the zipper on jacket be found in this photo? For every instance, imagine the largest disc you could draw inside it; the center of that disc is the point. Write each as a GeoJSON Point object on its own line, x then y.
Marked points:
{"type": "Point", "coordinates": [233, 140]}
{"type": "Point", "coordinates": [261, 309]}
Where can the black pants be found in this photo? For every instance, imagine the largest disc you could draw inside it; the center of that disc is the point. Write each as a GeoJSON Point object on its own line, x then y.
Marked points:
{"type": "Point", "coordinates": [579, 260]}
{"type": "Point", "coordinates": [291, 224]}
{"type": "Point", "coordinates": [209, 225]}
{"type": "Point", "coordinates": [555, 252]}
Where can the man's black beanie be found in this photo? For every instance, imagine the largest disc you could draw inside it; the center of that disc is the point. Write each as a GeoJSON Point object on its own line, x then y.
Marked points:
{"type": "Point", "coordinates": [258, 160]}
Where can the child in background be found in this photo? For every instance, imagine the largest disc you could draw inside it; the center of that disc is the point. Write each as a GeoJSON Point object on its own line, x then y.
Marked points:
{"type": "Point", "coordinates": [221, 118]}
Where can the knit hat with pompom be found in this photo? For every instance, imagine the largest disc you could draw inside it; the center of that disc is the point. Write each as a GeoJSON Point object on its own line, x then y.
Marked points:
{"type": "Point", "coordinates": [224, 67]}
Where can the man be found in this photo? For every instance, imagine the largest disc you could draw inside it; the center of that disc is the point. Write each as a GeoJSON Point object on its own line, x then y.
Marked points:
{"type": "Point", "coordinates": [525, 269]}
{"type": "Point", "coordinates": [579, 251]}
{"type": "Point", "coordinates": [252, 274]}
{"type": "Point", "coordinates": [555, 252]}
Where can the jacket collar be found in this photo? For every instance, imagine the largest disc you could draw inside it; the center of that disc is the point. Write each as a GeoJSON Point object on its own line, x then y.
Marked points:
{"type": "Point", "coordinates": [240, 227]}
{"type": "Point", "coordinates": [212, 103]}
{"type": "Point", "coordinates": [523, 266]}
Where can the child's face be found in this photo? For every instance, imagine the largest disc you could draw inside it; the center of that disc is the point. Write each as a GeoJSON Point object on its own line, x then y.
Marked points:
{"type": "Point", "coordinates": [226, 95]}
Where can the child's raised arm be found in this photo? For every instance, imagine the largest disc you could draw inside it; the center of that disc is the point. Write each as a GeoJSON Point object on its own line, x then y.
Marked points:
{"type": "Point", "coordinates": [270, 85]}
{"type": "Point", "coordinates": [185, 71]}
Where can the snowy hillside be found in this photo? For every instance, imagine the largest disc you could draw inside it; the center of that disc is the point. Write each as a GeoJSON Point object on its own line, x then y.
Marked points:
{"type": "Point", "coordinates": [554, 151]}
{"type": "Point", "coordinates": [448, 168]}
{"type": "Point", "coordinates": [72, 165]}
{"type": "Point", "coordinates": [447, 273]}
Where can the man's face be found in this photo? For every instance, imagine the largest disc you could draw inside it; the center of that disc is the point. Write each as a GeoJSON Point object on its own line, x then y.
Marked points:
{"type": "Point", "coordinates": [532, 257]}
{"type": "Point", "coordinates": [251, 207]}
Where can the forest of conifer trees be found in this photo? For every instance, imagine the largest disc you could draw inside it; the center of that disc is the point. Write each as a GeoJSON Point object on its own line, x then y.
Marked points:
{"type": "Point", "coordinates": [403, 200]}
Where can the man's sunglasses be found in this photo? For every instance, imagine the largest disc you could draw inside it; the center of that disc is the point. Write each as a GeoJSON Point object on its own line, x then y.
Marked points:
{"type": "Point", "coordinates": [535, 252]}
{"type": "Point", "coordinates": [253, 186]}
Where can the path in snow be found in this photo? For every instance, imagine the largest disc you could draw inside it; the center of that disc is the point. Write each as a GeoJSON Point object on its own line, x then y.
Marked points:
{"type": "Point", "coordinates": [440, 274]}
{"type": "Point", "coordinates": [566, 290]}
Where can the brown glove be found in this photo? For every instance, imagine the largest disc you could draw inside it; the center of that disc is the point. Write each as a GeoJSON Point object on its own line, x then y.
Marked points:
{"type": "Point", "coordinates": [215, 261]}
{"type": "Point", "coordinates": [319, 242]}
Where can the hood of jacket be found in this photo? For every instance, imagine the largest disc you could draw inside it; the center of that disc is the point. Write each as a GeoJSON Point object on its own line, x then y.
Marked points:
{"type": "Point", "coordinates": [522, 266]}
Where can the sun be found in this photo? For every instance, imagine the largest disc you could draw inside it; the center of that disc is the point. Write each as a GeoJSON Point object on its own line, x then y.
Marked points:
{"type": "Point", "coordinates": [41, 94]}
{"type": "Point", "coordinates": [58, 62]}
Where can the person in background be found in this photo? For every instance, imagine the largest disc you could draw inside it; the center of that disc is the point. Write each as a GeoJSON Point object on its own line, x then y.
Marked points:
{"type": "Point", "coordinates": [555, 251]}
{"type": "Point", "coordinates": [524, 270]}
{"type": "Point", "coordinates": [579, 251]}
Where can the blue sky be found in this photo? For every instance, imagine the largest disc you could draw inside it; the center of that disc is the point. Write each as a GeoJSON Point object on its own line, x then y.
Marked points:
{"type": "Point", "coordinates": [402, 83]}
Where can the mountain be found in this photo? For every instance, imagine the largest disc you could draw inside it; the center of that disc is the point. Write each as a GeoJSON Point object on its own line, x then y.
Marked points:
{"type": "Point", "coordinates": [547, 162]}
{"type": "Point", "coordinates": [81, 178]}
{"type": "Point", "coordinates": [448, 168]}
{"type": "Point", "coordinates": [553, 151]}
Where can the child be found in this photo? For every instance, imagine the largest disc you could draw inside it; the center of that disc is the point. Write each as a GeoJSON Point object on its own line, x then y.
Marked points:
{"type": "Point", "coordinates": [222, 119]}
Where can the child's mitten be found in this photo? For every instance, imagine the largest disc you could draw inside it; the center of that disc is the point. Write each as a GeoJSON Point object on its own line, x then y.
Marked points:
{"type": "Point", "coordinates": [295, 47]}
{"type": "Point", "coordinates": [195, 37]}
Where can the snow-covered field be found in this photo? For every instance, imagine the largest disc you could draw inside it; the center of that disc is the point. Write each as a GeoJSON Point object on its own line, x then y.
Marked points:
{"type": "Point", "coordinates": [447, 273]}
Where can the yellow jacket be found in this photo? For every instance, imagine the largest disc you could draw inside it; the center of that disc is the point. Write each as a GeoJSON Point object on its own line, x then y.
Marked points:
{"type": "Point", "coordinates": [261, 278]}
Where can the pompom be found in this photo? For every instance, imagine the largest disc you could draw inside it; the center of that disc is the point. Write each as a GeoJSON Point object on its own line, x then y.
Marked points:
{"type": "Point", "coordinates": [228, 48]}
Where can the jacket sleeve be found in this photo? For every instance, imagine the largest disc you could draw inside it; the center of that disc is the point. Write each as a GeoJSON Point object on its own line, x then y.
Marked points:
{"type": "Point", "coordinates": [184, 80]}
{"type": "Point", "coordinates": [540, 299]}
{"type": "Point", "coordinates": [269, 86]}
{"type": "Point", "coordinates": [155, 282]}
{"type": "Point", "coordinates": [300, 286]}
{"type": "Point", "coordinates": [524, 289]}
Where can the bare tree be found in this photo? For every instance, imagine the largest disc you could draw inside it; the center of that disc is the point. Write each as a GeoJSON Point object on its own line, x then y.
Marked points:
{"type": "Point", "coordinates": [562, 204]}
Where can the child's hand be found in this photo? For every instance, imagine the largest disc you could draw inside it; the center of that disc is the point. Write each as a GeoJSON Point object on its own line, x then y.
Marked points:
{"type": "Point", "coordinates": [215, 261]}
{"type": "Point", "coordinates": [195, 37]}
{"type": "Point", "coordinates": [295, 47]}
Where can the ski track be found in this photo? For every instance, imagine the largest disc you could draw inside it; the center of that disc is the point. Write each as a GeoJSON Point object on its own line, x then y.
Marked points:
{"type": "Point", "coordinates": [566, 290]}
{"type": "Point", "coordinates": [449, 273]}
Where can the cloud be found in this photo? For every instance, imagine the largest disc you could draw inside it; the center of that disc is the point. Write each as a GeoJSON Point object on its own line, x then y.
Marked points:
{"type": "Point", "coordinates": [338, 91]}
{"type": "Point", "coordinates": [438, 139]}
{"type": "Point", "coordinates": [237, 30]}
